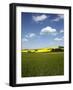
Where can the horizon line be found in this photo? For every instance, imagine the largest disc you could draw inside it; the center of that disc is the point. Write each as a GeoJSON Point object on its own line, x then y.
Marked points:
{"type": "Point", "coordinates": [43, 47]}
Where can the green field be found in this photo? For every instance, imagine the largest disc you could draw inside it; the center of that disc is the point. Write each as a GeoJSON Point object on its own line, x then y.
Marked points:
{"type": "Point", "coordinates": [42, 64]}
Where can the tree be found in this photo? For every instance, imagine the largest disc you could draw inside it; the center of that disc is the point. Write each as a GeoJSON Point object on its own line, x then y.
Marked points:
{"type": "Point", "coordinates": [61, 47]}
{"type": "Point", "coordinates": [28, 51]}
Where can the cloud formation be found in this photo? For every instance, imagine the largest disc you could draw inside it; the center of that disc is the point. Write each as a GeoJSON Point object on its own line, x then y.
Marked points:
{"type": "Point", "coordinates": [24, 40]}
{"type": "Point", "coordinates": [61, 31]}
{"type": "Point", "coordinates": [39, 18]}
{"type": "Point", "coordinates": [47, 30]}
{"type": "Point", "coordinates": [58, 18]}
{"type": "Point", "coordinates": [59, 39]}
{"type": "Point", "coordinates": [30, 35]}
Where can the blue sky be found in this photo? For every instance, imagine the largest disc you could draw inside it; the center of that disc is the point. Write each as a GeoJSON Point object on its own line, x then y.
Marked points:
{"type": "Point", "coordinates": [41, 30]}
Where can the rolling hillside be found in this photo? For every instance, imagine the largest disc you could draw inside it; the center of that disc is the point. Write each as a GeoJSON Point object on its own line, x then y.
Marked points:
{"type": "Point", "coordinates": [50, 49]}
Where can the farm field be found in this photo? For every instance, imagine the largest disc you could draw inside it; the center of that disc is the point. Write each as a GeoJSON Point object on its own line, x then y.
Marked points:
{"type": "Point", "coordinates": [42, 64]}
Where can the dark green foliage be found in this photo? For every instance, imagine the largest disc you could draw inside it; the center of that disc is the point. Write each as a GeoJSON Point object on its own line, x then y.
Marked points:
{"type": "Point", "coordinates": [29, 51]}
{"type": "Point", "coordinates": [61, 47]}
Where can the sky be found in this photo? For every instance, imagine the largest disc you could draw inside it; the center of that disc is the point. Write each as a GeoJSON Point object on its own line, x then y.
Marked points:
{"type": "Point", "coordinates": [41, 30]}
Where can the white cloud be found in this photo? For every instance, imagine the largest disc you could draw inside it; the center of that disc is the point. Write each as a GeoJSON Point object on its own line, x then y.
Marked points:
{"type": "Point", "coordinates": [61, 31]}
{"type": "Point", "coordinates": [47, 30]}
{"type": "Point", "coordinates": [58, 18]}
{"type": "Point", "coordinates": [30, 35]}
{"type": "Point", "coordinates": [39, 18]}
{"type": "Point", "coordinates": [24, 40]}
{"type": "Point", "coordinates": [59, 39]}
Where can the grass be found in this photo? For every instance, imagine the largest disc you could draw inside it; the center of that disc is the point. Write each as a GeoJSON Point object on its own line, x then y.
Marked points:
{"type": "Point", "coordinates": [42, 64]}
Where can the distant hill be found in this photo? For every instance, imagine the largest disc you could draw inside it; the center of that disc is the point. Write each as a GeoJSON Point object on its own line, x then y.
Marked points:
{"type": "Point", "coordinates": [50, 49]}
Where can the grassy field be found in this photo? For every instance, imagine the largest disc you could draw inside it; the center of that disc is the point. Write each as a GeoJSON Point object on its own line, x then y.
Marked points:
{"type": "Point", "coordinates": [42, 64]}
